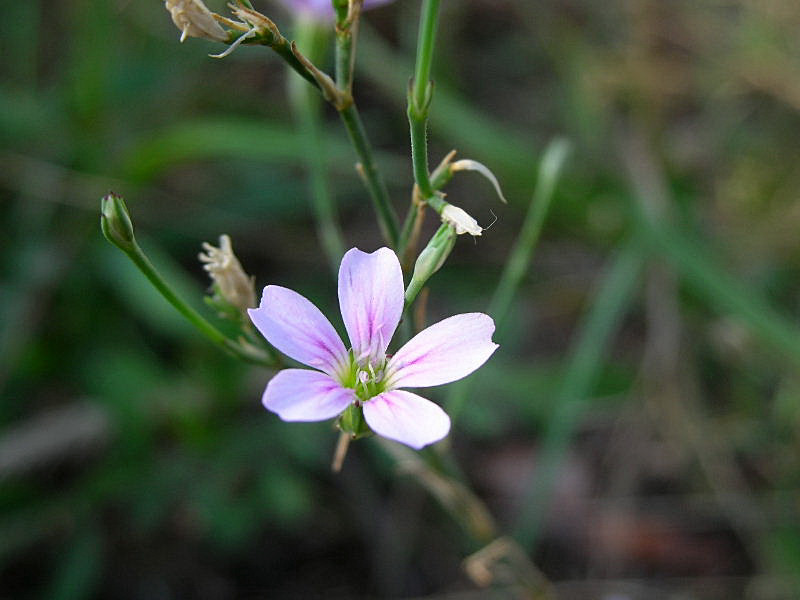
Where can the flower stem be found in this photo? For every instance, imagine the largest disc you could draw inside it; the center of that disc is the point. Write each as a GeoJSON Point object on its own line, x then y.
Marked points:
{"type": "Point", "coordinates": [246, 352]}
{"type": "Point", "coordinates": [306, 106]}
{"type": "Point", "coordinates": [427, 34]}
{"type": "Point", "coordinates": [346, 36]}
{"type": "Point", "coordinates": [371, 176]}
{"type": "Point", "coordinates": [419, 96]}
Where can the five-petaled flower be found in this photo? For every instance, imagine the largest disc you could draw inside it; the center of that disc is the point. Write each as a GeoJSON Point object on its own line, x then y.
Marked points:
{"type": "Point", "coordinates": [371, 300]}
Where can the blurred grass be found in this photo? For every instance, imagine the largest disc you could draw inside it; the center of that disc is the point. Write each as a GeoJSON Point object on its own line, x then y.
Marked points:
{"type": "Point", "coordinates": [100, 95]}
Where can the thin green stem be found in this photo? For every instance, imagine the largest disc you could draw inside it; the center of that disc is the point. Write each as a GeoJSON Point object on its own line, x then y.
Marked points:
{"type": "Point", "coordinates": [344, 61]}
{"type": "Point", "coordinates": [429, 18]}
{"type": "Point", "coordinates": [407, 229]}
{"type": "Point", "coordinates": [283, 48]}
{"type": "Point", "coordinates": [610, 304]}
{"type": "Point", "coordinates": [418, 124]}
{"type": "Point", "coordinates": [307, 108]}
{"type": "Point", "coordinates": [419, 96]}
{"type": "Point", "coordinates": [346, 35]}
{"type": "Point", "coordinates": [247, 353]}
{"type": "Point", "coordinates": [373, 180]}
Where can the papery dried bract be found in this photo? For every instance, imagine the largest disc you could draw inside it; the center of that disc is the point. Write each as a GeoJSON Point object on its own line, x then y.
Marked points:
{"type": "Point", "coordinates": [232, 283]}
{"type": "Point", "coordinates": [194, 19]}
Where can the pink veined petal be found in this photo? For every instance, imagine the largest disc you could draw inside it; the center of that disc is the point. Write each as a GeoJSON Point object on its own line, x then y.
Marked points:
{"type": "Point", "coordinates": [297, 328]}
{"type": "Point", "coordinates": [371, 298]}
{"type": "Point", "coordinates": [444, 352]}
{"type": "Point", "coordinates": [305, 395]}
{"type": "Point", "coordinates": [323, 9]}
{"type": "Point", "coordinates": [406, 418]}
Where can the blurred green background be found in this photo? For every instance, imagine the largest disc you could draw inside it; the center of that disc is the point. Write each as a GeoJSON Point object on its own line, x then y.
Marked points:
{"type": "Point", "coordinates": [637, 432]}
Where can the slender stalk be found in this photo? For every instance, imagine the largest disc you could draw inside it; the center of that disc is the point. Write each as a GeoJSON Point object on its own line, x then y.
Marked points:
{"type": "Point", "coordinates": [248, 353]}
{"type": "Point", "coordinates": [373, 180]}
{"type": "Point", "coordinates": [306, 105]}
{"type": "Point", "coordinates": [418, 124]}
{"type": "Point", "coordinates": [346, 35]}
{"type": "Point", "coordinates": [419, 97]}
{"type": "Point", "coordinates": [284, 50]}
{"type": "Point", "coordinates": [427, 34]}
{"type": "Point", "coordinates": [467, 509]}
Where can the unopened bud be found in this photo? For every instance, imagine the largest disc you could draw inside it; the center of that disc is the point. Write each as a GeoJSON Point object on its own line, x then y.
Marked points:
{"type": "Point", "coordinates": [115, 222]}
{"type": "Point", "coordinates": [460, 220]}
{"type": "Point", "coordinates": [431, 259]}
{"type": "Point", "coordinates": [194, 19]}
{"type": "Point", "coordinates": [232, 287]}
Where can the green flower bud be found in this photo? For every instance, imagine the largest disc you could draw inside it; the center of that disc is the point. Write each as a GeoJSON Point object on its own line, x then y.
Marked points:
{"type": "Point", "coordinates": [431, 259]}
{"type": "Point", "coordinates": [115, 221]}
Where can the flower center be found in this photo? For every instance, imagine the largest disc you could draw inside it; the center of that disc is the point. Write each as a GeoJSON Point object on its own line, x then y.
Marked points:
{"type": "Point", "coordinates": [366, 378]}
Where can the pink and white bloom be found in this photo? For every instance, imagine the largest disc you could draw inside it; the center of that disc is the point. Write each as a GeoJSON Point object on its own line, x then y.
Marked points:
{"type": "Point", "coordinates": [371, 299]}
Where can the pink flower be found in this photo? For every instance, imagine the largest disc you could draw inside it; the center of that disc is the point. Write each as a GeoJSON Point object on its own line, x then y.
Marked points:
{"type": "Point", "coordinates": [323, 9]}
{"type": "Point", "coordinates": [371, 300]}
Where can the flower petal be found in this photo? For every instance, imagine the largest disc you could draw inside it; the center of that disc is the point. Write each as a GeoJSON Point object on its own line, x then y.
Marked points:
{"type": "Point", "coordinates": [444, 352]}
{"type": "Point", "coordinates": [304, 395]}
{"type": "Point", "coordinates": [371, 299]}
{"type": "Point", "coordinates": [323, 9]}
{"type": "Point", "coordinates": [406, 418]}
{"type": "Point", "coordinates": [298, 329]}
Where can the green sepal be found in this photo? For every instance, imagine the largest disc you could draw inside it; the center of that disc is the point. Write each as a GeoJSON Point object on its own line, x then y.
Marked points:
{"type": "Point", "coordinates": [352, 421]}
{"type": "Point", "coordinates": [431, 260]}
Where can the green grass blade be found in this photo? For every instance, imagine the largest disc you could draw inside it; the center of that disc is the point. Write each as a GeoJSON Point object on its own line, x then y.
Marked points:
{"type": "Point", "coordinates": [583, 367]}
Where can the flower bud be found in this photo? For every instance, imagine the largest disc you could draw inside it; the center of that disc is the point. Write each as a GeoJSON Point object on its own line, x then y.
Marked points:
{"type": "Point", "coordinates": [431, 259]}
{"type": "Point", "coordinates": [194, 19]}
{"type": "Point", "coordinates": [115, 222]}
{"type": "Point", "coordinates": [233, 289]}
{"type": "Point", "coordinates": [460, 220]}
